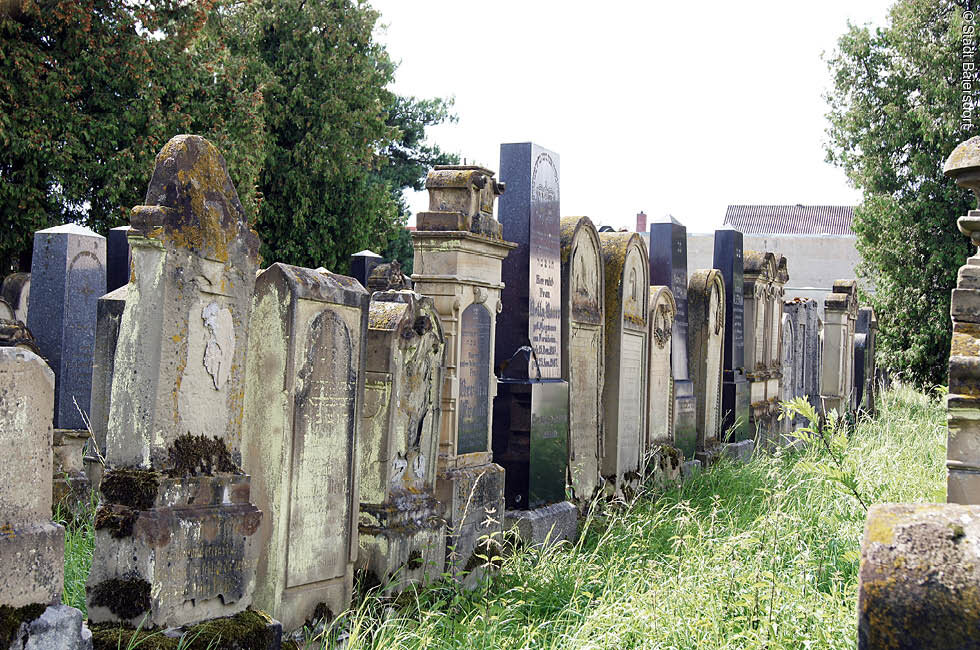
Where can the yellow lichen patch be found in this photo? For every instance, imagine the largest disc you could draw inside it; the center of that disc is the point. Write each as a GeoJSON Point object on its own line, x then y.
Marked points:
{"type": "Point", "coordinates": [385, 315]}
{"type": "Point", "coordinates": [966, 344]}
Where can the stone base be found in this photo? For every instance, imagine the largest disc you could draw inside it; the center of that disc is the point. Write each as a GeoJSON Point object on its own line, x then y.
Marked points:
{"type": "Point", "coordinates": [739, 451]}
{"type": "Point", "coordinates": [70, 493]}
{"type": "Point", "coordinates": [401, 546]}
{"type": "Point", "coordinates": [690, 469]}
{"type": "Point", "coordinates": [32, 561]}
{"type": "Point", "coordinates": [551, 523]}
{"type": "Point", "coordinates": [248, 630]}
{"type": "Point", "coordinates": [963, 485]}
{"type": "Point", "coordinates": [60, 626]}
{"type": "Point", "coordinates": [664, 468]}
{"type": "Point", "coordinates": [685, 417]}
{"type": "Point", "coordinates": [172, 551]}
{"type": "Point", "coordinates": [473, 501]}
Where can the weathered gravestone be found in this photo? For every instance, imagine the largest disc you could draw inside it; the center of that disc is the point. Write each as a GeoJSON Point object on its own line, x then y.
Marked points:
{"type": "Point", "coordinates": [402, 533]}
{"type": "Point", "coordinates": [837, 373]}
{"type": "Point", "coordinates": [706, 340]}
{"type": "Point", "coordinates": [67, 278]}
{"type": "Point", "coordinates": [760, 305]}
{"type": "Point", "coordinates": [16, 291]}
{"type": "Point", "coordinates": [963, 401]}
{"type": "Point", "coordinates": [866, 330]}
{"type": "Point", "coordinates": [799, 354]}
{"type": "Point", "coordinates": [117, 258]}
{"type": "Point", "coordinates": [583, 352]}
{"type": "Point", "coordinates": [362, 263]}
{"type": "Point", "coordinates": [624, 391]}
{"type": "Point", "coordinates": [660, 381]}
{"type": "Point", "coordinates": [735, 386]}
{"type": "Point", "coordinates": [458, 256]}
{"type": "Point", "coordinates": [173, 539]}
{"type": "Point", "coordinates": [303, 397]}
{"type": "Point", "coordinates": [110, 311]}
{"type": "Point", "coordinates": [668, 267]}
{"type": "Point", "coordinates": [6, 311]}
{"type": "Point", "coordinates": [787, 387]}
{"type": "Point", "coordinates": [530, 419]}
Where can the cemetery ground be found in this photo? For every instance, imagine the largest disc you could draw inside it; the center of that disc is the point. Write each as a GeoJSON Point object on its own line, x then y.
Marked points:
{"type": "Point", "coordinates": [760, 555]}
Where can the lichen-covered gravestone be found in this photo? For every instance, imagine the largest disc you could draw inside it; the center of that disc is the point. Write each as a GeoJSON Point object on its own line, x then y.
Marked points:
{"type": "Point", "coordinates": [660, 381]}
{"type": "Point", "coordinates": [304, 390]}
{"type": "Point", "coordinates": [789, 352]}
{"type": "Point", "coordinates": [760, 271]}
{"type": "Point", "coordinates": [706, 340]}
{"type": "Point", "coordinates": [458, 256]}
{"type": "Point", "coordinates": [837, 373]}
{"type": "Point", "coordinates": [402, 533]}
{"type": "Point", "coordinates": [583, 353]}
{"type": "Point", "coordinates": [67, 278]}
{"type": "Point", "coordinates": [173, 540]}
{"type": "Point", "coordinates": [624, 391]}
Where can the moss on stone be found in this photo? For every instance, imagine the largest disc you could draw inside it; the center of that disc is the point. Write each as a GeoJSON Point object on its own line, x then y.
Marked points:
{"type": "Point", "coordinates": [199, 456]}
{"type": "Point", "coordinates": [118, 520]}
{"type": "Point", "coordinates": [127, 597]}
{"type": "Point", "coordinates": [248, 630]}
{"type": "Point", "coordinates": [134, 488]}
{"type": "Point", "coordinates": [11, 618]}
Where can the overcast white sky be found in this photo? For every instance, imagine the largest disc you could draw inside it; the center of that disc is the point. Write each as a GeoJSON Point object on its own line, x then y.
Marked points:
{"type": "Point", "coordinates": [665, 107]}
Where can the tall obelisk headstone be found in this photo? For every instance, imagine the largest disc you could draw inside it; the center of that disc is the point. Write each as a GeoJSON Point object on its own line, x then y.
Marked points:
{"type": "Point", "coordinates": [583, 353]}
{"type": "Point", "coordinates": [67, 279]}
{"type": "Point", "coordinates": [458, 254]}
{"type": "Point", "coordinates": [735, 387]}
{"type": "Point", "coordinates": [668, 267]}
{"type": "Point", "coordinates": [175, 524]}
{"type": "Point", "coordinates": [530, 434]}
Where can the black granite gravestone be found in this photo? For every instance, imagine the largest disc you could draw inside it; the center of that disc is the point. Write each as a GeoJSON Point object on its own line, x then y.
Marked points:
{"type": "Point", "coordinates": [117, 258]}
{"type": "Point", "coordinates": [735, 386]}
{"type": "Point", "coordinates": [362, 263]}
{"type": "Point", "coordinates": [668, 267]}
{"type": "Point", "coordinates": [530, 435]}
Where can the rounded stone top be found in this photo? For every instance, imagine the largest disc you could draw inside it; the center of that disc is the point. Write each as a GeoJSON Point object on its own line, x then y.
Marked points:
{"type": "Point", "coordinates": [965, 156]}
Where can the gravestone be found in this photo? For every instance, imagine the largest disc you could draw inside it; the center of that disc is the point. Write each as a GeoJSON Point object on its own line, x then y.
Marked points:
{"type": "Point", "coordinates": [735, 400]}
{"type": "Point", "coordinates": [583, 353]}
{"type": "Point", "coordinates": [175, 525]}
{"type": "Point", "coordinates": [110, 311]}
{"type": "Point", "coordinates": [774, 386]}
{"type": "Point", "coordinates": [801, 311]}
{"type": "Point", "coordinates": [788, 349]}
{"type": "Point", "coordinates": [963, 401]}
{"type": "Point", "coordinates": [31, 545]}
{"type": "Point", "coordinates": [668, 267]}
{"type": "Point", "coordinates": [810, 326]}
{"type": "Point", "coordinates": [16, 291]}
{"type": "Point", "coordinates": [458, 256]}
{"type": "Point", "coordinates": [304, 386]}
{"type": "Point", "coordinates": [660, 381]}
{"type": "Point", "coordinates": [706, 341]}
{"type": "Point", "coordinates": [759, 303]}
{"type": "Point", "coordinates": [402, 533]}
{"type": "Point", "coordinates": [67, 278]}
{"type": "Point", "coordinates": [837, 373]}
{"type": "Point", "coordinates": [866, 330]}
{"type": "Point", "coordinates": [530, 419]}
{"type": "Point", "coordinates": [117, 258]}
{"type": "Point", "coordinates": [362, 263]}
{"type": "Point", "coordinates": [624, 393]}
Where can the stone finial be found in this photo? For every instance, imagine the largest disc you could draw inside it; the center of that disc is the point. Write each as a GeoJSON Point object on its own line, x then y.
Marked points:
{"type": "Point", "coordinates": [461, 197]}
{"type": "Point", "coordinates": [963, 166]}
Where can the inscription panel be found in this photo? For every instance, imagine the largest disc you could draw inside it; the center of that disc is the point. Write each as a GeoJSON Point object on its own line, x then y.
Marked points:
{"type": "Point", "coordinates": [323, 437]}
{"type": "Point", "coordinates": [544, 276]}
{"type": "Point", "coordinates": [473, 370]}
{"type": "Point", "coordinates": [631, 402]}
{"type": "Point", "coordinates": [583, 383]}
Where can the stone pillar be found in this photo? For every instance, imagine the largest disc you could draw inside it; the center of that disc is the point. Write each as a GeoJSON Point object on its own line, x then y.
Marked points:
{"type": "Point", "coordinates": [304, 391]}
{"type": "Point", "coordinates": [117, 258]}
{"type": "Point", "coordinates": [530, 419]}
{"type": "Point", "coordinates": [706, 340]}
{"type": "Point", "coordinates": [67, 278]}
{"type": "Point", "coordinates": [583, 352]}
{"type": "Point", "coordinates": [668, 267]}
{"type": "Point", "coordinates": [660, 381]}
{"type": "Point", "coordinates": [625, 388]}
{"type": "Point", "coordinates": [759, 273]}
{"type": "Point", "coordinates": [458, 255]}
{"type": "Point", "coordinates": [401, 529]}
{"type": "Point", "coordinates": [173, 540]}
{"type": "Point", "coordinates": [735, 386]}
{"type": "Point", "coordinates": [837, 375]}
{"type": "Point", "coordinates": [16, 291]}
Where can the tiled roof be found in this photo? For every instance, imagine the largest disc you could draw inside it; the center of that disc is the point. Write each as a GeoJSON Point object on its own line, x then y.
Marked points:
{"type": "Point", "coordinates": [791, 219]}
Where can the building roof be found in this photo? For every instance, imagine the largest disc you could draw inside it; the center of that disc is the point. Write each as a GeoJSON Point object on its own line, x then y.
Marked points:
{"type": "Point", "coordinates": [791, 219]}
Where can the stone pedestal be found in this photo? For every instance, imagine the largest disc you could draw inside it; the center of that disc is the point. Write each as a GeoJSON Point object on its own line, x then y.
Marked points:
{"type": "Point", "coordinates": [458, 256]}
{"type": "Point", "coordinates": [660, 381]}
{"type": "Point", "coordinates": [67, 278]}
{"type": "Point", "coordinates": [837, 373]}
{"type": "Point", "coordinates": [401, 529]}
{"type": "Point", "coordinates": [624, 392]}
{"type": "Point", "coordinates": [583, 353]}
{"type": "Point", "coordinates": [706, 338]}
{"type": "Point", "coordinates": [728, 259]}
{"type": "Point", "coordinates": [668, 267]}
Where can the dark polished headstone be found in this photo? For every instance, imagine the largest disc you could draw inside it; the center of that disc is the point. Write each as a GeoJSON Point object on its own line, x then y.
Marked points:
{"type": "Point", "coordinates": [735, 386]}
{"type": "Point", "coordinates": [530, 423]}
{"type": "Point", "coordinates": [362, 263]}
{"type": "Point", "coordinates": [865, 367]}
{"type": "Point", "coordinates": [668, 267]}
{"type": "Point", "coordinates": [117, 258]}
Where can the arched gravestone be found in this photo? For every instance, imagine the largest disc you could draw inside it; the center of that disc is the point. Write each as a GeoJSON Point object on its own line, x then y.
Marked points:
{"type": "Point", "coordinates": [660, 381]}
{"type": "Point", "coordinates": [706, 341]}
{"type": "Point", "coordinates": [790, 341]}
{"type": "Point", "coordinates": [402, 534]}
{"type": "Point", "coordinates": [302, 419]}
{"type": "Point", "coordinates": [760, 271]}
{"type": "Point", "coordinates": [583, 353]}
{"type": "Point", "coordinates": [174, 433]}
{"type": "Point", "coordinates": [624, 390]}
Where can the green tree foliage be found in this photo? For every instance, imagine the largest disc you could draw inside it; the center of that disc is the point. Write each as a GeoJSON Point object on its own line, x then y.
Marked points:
{"type": "Point", "coordinates": [894, 118]}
